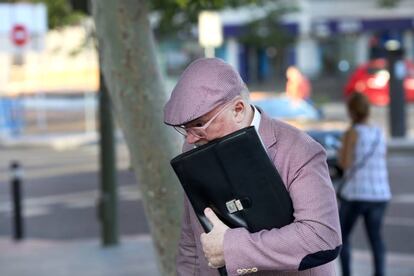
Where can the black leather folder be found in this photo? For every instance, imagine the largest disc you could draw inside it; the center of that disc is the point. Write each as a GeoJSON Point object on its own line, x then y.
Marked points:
{"type": "Point", "coordinates": [235, 177]}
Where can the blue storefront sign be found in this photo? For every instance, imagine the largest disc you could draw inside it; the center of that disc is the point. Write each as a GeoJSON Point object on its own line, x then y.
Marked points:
{"type": "Point", "coordinates": [11, 116]}
{"type": "Point", "coordinates": [355, 25]}
{"type": "Point", "coordinates": [336, 26]}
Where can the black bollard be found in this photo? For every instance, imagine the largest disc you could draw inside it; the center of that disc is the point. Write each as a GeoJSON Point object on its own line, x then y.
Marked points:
{"type": "Point", "coordinates": [16, 190]}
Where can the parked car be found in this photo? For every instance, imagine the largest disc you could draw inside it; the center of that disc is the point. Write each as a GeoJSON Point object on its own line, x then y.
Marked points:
{"type": "Point", "coordinates": [303, 115]}
{"type": "Point", "coordinates": [283, 107]}
{"type": "Point", "coordinates": [331, 141]}
{"type": "Point", "coordinates": [372, 79]}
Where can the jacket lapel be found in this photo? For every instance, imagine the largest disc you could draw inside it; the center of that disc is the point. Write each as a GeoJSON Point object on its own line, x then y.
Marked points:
{"type": "Point", "coordinates": [267, 130]}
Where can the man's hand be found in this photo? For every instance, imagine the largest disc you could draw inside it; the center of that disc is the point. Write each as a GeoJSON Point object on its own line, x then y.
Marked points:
{"type": "Point", "coordinates": [213, 241]}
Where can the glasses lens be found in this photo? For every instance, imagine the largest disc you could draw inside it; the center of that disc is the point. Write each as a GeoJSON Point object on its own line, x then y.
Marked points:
{"type": "Point", "coordinates": [180, 130]}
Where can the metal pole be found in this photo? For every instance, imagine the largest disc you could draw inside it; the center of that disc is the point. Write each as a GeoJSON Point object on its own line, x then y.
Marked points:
{"type": "Point", "coordinates": [108, 211]}
{"type": "Point", "coordinates": [89, 111]}
{"type": "Point", "coordinates": [209, 52]}
{"type": "Point", "coordinates": [16, 190]}
{"type": "Point", "coordinates": [397, 70]}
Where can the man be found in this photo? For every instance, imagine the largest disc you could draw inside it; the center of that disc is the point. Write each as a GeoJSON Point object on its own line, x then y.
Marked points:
{"type": "Point", "coordinates": [209, 101]}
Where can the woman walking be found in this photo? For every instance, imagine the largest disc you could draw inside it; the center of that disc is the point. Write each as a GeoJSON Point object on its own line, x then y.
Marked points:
{"type": "Point", "coordinates": [365, 191]}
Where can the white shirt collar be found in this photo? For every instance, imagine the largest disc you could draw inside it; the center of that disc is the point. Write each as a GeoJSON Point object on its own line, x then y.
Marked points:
{"type": "Point", "coordinates": [256, 119]}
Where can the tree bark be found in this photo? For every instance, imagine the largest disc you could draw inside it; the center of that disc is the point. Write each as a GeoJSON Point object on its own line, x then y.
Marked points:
{"type": "Point", "coordinates": [137, 93]}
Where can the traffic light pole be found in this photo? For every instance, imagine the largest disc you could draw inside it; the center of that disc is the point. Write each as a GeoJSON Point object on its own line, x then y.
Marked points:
{"type": "Point", "coordinates": [397, 70]}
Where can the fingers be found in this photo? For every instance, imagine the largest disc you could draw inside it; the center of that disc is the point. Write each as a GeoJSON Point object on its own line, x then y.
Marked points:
{"type": "Point", "coordinates": [204, 244]}
{"type": "Point", "coordinates": [212, 252]}
{"type": "Point", "coordinates": [203, 237]}
{"type": "Point", "coordinates": [203, 240]}
{"type": "Point", "coordinates": [211, 216]}
{"type": "Point", "coordinates": [213, 264]}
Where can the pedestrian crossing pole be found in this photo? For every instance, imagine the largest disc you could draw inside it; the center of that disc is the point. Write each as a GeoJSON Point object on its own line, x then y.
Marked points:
{"type": "Point", "coordinates": [16, 191]}
{"type": "Point", "coordinates": [397, 69]}
{"type": "Point", "coordinates": [108, 201]}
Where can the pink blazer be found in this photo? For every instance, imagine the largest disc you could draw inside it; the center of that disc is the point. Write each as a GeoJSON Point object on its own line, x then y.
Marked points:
{"type": "Point", "coordinates": [296, 249]}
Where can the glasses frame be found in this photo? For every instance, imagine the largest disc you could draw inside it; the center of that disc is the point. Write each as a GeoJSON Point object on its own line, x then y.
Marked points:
{"type": "Point", "coordinates": [200, 132]}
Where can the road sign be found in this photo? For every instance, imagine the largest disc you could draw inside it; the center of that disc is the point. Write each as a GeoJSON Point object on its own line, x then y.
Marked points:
{"type": "Point", "coordinates": [19, 35]}
{"type": "Point", "coordinates": [210, 33]}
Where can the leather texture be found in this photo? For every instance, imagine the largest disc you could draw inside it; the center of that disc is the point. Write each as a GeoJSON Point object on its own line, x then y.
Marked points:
{"type": "Point", "coordinates": [235, 167]}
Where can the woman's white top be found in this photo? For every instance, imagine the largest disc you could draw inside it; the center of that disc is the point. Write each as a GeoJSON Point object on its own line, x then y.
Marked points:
{"type": "Point", "coordinates": [368, 182]}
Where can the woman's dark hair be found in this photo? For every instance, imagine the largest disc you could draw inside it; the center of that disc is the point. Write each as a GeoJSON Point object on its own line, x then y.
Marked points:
{"type": "Point", "coordinates": [358, 107]}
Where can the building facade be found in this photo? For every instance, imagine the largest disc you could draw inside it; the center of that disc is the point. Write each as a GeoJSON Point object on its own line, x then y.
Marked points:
{"type": "Point", "coordinates": [330, 37]}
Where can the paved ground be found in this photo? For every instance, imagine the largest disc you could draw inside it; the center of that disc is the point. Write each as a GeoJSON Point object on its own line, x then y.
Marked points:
{"type": "Point", "coordinates": [61, 189]}
{"type": "Point", "coordinates": [63, 232]}
{"type": "Point", "coordinates": [133, 256]}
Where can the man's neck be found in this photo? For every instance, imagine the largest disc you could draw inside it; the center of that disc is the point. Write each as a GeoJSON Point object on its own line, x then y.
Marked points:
{"type": "Point", "coordinates": [250, 115]}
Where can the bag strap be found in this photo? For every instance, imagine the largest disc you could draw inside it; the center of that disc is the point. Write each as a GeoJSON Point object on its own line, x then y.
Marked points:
{"type": "Point", "coordinates": [360, 164]}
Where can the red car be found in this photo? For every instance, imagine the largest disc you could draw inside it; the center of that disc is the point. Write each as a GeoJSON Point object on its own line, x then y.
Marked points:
{"type": "Point", "coordinates": [372, 79]}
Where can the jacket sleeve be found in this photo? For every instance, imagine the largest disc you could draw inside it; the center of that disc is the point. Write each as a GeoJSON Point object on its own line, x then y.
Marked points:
{"type": "Point", "coordinates": [187, 260]}
{"type": "Point", "coordinates": [313, 238]}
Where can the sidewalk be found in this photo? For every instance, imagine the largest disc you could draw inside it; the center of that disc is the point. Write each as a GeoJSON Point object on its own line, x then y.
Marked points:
{"type": "Point", "coordinates": [56, 141]}
{"type": "Point", "coordinates": [134, 256]}
{"type": "Point", "coordinates": [62, 141]}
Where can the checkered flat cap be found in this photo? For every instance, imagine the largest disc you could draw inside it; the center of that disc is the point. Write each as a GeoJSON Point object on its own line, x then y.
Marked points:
{"type": "Point", "coordinates": [204, 85]}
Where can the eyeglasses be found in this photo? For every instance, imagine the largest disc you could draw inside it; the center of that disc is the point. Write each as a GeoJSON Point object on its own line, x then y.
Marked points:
{"type": "Point", "coordinates": [199, 132]}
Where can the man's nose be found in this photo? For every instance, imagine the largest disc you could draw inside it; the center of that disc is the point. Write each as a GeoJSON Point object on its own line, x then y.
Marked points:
{"type": "Point", "coordinates": [191, 139]}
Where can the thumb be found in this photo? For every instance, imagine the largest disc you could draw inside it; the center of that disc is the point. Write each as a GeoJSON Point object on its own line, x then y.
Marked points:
{"type": "Point", "coordinates": [211, 216]}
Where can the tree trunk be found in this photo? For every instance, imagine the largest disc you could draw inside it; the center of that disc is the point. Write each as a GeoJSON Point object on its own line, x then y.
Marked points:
{"type": "Point", "coordinates": [137, 93]}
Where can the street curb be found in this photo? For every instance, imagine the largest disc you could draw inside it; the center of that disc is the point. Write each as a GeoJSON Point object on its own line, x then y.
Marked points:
{"type": "Point", "coordinates": [400, 145]}
{"type": "Point", "coordinates": [55, 141]}
{"type": "Point", "coordinates": [75, 140]}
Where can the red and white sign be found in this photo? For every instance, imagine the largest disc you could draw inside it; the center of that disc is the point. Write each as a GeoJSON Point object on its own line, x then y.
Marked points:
{"type": "Point", "coordinates": [19, 35]}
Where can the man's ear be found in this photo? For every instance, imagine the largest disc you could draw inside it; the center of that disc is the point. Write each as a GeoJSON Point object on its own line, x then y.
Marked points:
{"type": "Point", "coordinates": [239, 111]}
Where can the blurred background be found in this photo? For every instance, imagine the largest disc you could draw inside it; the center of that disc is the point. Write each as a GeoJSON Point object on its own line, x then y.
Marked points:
{"type": "Point", "coordinates": [300, 60]}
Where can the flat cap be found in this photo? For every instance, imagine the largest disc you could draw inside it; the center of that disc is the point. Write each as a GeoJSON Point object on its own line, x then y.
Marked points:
{"type": "Point", "coordinates": [205, 84]}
